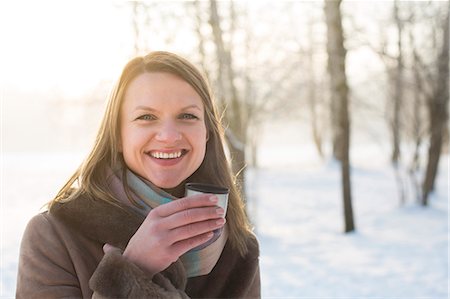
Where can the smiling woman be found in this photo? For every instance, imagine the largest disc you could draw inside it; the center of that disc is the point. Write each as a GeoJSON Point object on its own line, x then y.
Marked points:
{"type": "Point", "coordinates": [121, 226]}
{"type": "Point", "coordinates": [163, 131]}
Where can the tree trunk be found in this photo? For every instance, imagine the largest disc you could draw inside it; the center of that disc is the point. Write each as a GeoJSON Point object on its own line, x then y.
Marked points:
{"type": "Point", "coordinates": [339, 95]}
{"type": "Point", "coordinates": [335, 130]}
{"type": "Point", "coordinates": [312, 95]}
{"type": "Point", "coordinates": [201, 38]}
{"type": "Point", "coordinates": [235, 119]}
{"type": "Point", "coordinates": [417, 122]}
{"type": "Point", "coordinates": [437, 108]}
{"type": "Point", "coordinates": [398, 93]}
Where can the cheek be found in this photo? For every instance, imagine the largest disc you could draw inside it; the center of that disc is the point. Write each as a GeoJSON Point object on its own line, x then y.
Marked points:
{"type": "Point", "coordinates": [201, 143]}
{"type": "Point", "coordinates": [124, 140]}
{"type": "Point", "coordinates": [131, 142]}
{"type": "Point", "coordinates": [198, 139]}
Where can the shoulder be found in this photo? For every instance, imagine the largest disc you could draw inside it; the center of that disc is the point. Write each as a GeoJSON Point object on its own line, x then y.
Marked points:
{"type": "Point", "coordinates": [43, 230]}
{"type": "Point", "coordinates": [98, 219]}
{"type": "Point", "coordinates": [253, 245]}
{"type": "Point", "coordinates": [45, 262]}
{"type": "Point", "coordinates": [44, 240]}
{"type": "Point", "coordinates": [40, 225]}
{"type": "Point", "coordinates": [44, 222]}
{"type": "Point", "coordinates": [235, 255]}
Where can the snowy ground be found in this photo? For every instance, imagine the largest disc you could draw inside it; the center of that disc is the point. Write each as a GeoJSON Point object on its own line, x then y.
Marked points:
{"type": "Point", "coordinates": [397, 252]}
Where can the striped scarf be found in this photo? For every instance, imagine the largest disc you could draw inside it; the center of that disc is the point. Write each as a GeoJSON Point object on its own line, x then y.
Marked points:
{"type": "Point", "coordinates": [198, 261]}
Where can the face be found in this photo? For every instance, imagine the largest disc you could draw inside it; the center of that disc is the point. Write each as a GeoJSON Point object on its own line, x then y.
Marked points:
{"type": "Point", "coordinates": [163, 131]}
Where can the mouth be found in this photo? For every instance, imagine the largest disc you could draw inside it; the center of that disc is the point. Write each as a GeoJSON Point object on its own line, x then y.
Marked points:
{"type": "Point", "coordinates": [167, 155]}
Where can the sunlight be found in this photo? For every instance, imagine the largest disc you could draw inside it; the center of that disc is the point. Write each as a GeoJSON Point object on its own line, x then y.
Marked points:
{"type": "Point", "coordinates": [68, 46]}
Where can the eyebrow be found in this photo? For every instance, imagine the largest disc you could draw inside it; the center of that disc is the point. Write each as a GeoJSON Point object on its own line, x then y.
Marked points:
{"type": "Point", "coordinates": [140, 107]}
{"type": "Point", "coordinates": [144, 108]}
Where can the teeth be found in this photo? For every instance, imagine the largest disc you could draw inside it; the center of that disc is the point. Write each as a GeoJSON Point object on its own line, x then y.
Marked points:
{"type": "Point", "coordinates": [160, 155]}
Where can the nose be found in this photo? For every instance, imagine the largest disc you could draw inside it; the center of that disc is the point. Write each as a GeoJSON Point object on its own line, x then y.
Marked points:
{"type": "Point", "coordinates": [168, 133]}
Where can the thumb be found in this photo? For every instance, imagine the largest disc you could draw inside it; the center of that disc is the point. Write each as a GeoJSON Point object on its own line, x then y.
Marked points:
{"type": "Point", "coordinates": [108, 248]}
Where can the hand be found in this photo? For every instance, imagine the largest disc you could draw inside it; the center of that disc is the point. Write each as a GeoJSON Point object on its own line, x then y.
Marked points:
{"type": "Point", "coordinates": [172, 229]}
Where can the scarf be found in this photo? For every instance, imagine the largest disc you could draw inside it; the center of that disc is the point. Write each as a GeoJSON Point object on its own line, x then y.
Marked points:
{"type": "Point", "coordinates": [199, 260]}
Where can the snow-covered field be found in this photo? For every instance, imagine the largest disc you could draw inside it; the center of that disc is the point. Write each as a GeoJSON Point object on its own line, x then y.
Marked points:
{"type": "Point", "coordinates": [396, 252]}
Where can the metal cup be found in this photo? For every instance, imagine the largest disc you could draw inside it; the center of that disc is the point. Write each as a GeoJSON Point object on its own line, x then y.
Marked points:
{"type": "Point", "coordinates": [220, 192]}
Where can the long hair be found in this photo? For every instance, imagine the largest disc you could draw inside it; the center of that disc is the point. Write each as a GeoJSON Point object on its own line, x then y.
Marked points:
{"type": "Point", "coordinates": [215, 168]}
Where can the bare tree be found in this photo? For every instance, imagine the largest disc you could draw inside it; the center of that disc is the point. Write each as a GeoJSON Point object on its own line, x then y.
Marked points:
{"type": "Point", "coordinates": [313, 96]}
{"type": "Point", "coordinates": [438, 113]}
{"type": "Point", "coordinates": [140, 19]}
{"type": "Point", "coordinates": [398, 88]}
{"type": "Point", "coordinates": [339, 96]}
{"type": "Point", "coordinates": [397, 78]}
{"type": "Point", "coordinates": [417, 130]}
{"type": "Point", "coordinates": [201, 39]}
{"type": "Point", "coordinates": [235, 114]}
{"type": "Point", "coordinates": [245, 95]}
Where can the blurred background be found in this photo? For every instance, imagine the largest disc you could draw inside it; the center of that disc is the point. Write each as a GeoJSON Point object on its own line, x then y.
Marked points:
{"type": "Point", "coordinates": [336, 116]}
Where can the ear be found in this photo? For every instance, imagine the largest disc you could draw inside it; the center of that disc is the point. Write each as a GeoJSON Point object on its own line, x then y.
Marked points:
{"type": "Point", "coordinates": [207, 135]}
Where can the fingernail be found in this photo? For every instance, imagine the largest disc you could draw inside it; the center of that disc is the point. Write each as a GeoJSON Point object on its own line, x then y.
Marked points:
{"type": "Point", "coordinates": [220, 221]}
{"type": "Point", "coordinates": [220, 211]}
{"type": "Point", "coordinates": [213, 199]}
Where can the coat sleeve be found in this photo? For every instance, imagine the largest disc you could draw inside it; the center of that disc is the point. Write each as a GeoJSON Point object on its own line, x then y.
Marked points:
{"type": "Point", "coordinates": [116, 277]}
{"type": "Point", "coordinates": [254, 290]}
{"type": "Point", "coordinates": [249, 284]}
{"type": "Point", "coordinates": [45, 269]}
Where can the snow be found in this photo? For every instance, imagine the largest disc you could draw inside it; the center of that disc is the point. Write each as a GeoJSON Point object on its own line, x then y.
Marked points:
{"type": "Point", "coordinates": [398, 251]}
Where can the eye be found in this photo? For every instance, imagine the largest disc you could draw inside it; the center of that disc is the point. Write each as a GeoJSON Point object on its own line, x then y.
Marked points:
{"type": "Point", "coordinates": [146, 117]}
{"type": "Point", "coordinates": [188, 116]}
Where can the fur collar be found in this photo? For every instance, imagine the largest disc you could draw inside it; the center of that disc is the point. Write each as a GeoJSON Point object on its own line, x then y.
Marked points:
{"type": "Point", "coordinates": [104, 222]}
{"type": "Point", "coordinates": [98, 220]}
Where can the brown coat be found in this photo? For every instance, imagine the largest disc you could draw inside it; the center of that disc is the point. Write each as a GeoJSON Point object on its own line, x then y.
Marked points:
{"type": "Point", "coordinates": [61, 256]}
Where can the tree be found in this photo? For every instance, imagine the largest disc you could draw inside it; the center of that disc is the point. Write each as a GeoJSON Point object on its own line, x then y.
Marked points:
{"type": "Point", "coordinates": [235, 114]}
{"type": "Point", "coordinates": [417, 130]}
{"type": "Point", "coordinates": [438, 113]}
{"type": "Point", "coordinates": [313, 94]}
{"type": "Point", "coordinates": [398, 88]}
{"type": "Point", "coordinates": [239, 71]}
{"type": "Point", "coordinates": [339, 98]}
{"type": "Point", "coordinates": [140, 19]}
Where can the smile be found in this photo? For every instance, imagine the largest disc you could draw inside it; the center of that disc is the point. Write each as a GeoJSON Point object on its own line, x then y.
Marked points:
{"type": "Point", "coordinates": [167, 155]}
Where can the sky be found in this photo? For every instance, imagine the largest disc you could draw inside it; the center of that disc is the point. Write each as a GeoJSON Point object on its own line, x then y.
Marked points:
{"type": "Point", "coordinates": [72, 45]}
{"type": "Point", "coordinates": [54, 54]}
{"type": "Point", "coordinates": [67, 45]}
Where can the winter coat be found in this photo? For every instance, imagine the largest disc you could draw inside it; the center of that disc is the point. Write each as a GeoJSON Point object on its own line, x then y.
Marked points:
{"type": "Point", "coordinates": [61, 256]}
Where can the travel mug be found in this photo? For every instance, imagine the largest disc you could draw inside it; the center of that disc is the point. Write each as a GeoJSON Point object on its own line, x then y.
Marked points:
{"type": "Point", "coordinates": [220, 192]}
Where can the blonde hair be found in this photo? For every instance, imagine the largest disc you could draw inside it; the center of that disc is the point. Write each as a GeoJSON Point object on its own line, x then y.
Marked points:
{"type": "Point", "coordinates": [215, 168]}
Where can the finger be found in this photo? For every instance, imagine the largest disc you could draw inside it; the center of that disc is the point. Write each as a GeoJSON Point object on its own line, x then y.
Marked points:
{"type": "Point", "coordinates": [194, 229]}
{"type": "Point", "coordinates": [193, 215]}
{"type": "Point", "coordinates": [194, 201]}
{"type": "Point", "coordinates": [184, 246]}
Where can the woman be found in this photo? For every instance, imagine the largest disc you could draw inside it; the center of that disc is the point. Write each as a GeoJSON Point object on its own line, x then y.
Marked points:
{"type": "Point", "coordinates": [120, 227]}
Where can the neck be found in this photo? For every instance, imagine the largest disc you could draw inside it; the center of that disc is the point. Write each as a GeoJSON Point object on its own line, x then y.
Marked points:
{"type": "Point", "coordinates": [177, 191]}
